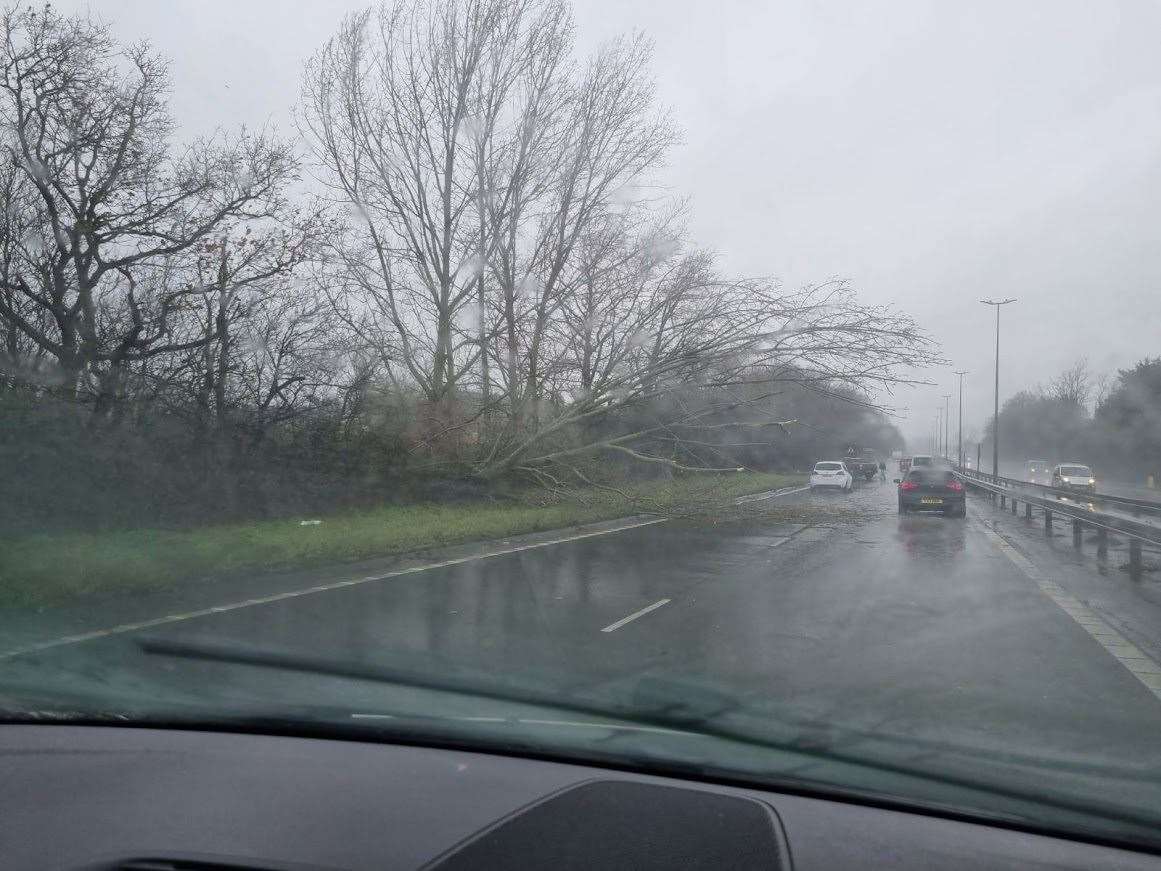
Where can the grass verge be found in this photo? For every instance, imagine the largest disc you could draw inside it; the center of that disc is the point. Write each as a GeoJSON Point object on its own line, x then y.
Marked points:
{"type": "Point", "coordinates": [49, 568]}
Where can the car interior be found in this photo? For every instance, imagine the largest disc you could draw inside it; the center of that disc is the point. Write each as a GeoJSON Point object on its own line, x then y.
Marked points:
{"type": "Point", "coordinates": [144, 799]}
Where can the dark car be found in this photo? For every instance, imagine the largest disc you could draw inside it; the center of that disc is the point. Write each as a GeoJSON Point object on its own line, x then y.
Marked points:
{"type": "Point", "coordinates": [1038, 472]}
{"type": "Point", "coordinates": [932, 489]}
{"type": "Point", "coordinates": [862, 461]}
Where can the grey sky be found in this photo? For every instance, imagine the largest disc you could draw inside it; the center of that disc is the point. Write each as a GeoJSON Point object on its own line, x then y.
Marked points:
{"type": "Point", "coordinates": [933, 153]}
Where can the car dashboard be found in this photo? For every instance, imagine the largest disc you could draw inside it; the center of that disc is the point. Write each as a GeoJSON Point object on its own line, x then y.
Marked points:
{"type": "Point", "coordinates": [106, 797]}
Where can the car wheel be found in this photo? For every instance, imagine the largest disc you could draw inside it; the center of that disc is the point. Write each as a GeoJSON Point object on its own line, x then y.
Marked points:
{"type": "Point", "coordinates": [812, 488]}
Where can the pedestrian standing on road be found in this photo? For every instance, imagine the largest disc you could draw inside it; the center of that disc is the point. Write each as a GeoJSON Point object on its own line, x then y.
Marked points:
{"type": "Point", "coordinates": [882, 471]}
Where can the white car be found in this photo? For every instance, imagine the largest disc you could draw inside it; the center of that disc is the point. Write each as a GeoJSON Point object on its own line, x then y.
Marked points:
{"type": "Point", "coordinates": [831, 473]}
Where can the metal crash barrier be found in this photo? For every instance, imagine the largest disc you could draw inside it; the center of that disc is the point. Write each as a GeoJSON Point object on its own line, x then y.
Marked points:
{"type": "Point", "coordinates": [1138, 521]}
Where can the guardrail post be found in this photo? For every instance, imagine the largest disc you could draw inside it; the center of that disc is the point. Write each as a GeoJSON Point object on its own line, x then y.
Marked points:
{"type": "Point", "coordinates": [1048, 521]}
{"type": "Point", "coordinates": [1134, 557]}
{"type": "Point", "coordinates": [1102, 543]}
{"type": "Point", "coordinates": [1003, 500]}
{"type": "Point", "coordinates": [1028, 510]}
{"type": "Point", "coordinates": [1077, 533]}
{"type": "Point", "coordinates": [1013, 504]}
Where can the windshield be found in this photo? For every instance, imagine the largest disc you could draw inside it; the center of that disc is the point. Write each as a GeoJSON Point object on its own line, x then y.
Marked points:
{"type": "Point", "coordinates": [451, 371]}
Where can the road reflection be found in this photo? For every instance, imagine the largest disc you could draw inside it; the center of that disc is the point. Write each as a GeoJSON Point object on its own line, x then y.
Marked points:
{"type": "Point", "coordinates": [1078, 502]}
{"type": "Point", "coordinates": [931, 536]}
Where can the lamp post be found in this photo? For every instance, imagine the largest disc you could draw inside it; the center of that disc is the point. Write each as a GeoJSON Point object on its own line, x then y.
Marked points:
{"type": "Point", "coordinates": [996, 404]}
{"type": "Point", "coordinates": [959, 451]}
{"type": "Point", "coordinates": [946, 419]}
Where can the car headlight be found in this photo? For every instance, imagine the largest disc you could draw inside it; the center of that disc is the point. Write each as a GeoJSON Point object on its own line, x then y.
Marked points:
{"type": "Point", "coordinates": [1065, 481]}
{"type": "Point", "coordinates": [1092, 480]}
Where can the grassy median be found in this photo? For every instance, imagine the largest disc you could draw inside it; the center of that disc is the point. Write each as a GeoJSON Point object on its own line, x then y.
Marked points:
{"type": "Point", "coordinates": [49, 568]}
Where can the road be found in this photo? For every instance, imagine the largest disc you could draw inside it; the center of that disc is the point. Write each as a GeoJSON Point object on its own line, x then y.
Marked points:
{"type": "Point", "coordinates": [1107, 486]}
{"type": "Point", "coordinates": [981, 632]}
{"type": "Point", "coordinates": [1148, 515]}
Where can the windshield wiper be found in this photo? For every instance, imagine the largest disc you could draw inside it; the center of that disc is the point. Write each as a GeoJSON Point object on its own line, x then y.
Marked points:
{"type": "Point", "coordinates": [673, 706]}
{"type": "Point", "coordinates": [678, 704]}
{"type": "Point", "coordinates": [659, 704]}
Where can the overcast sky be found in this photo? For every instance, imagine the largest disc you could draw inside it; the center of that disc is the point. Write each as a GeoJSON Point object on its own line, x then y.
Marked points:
{"type": "Point", "coordinates": [932, 153]}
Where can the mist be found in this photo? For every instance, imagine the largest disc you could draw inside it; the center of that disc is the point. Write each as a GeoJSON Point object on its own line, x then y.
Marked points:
{"type": "Point", "coordinates": [931, 154]}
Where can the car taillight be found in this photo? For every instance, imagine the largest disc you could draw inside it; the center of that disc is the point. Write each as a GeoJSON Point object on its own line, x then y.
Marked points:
{"type": "Point", "coordinates": [954, 485]}
{"type": "Point", "coordinates": [908, 485]}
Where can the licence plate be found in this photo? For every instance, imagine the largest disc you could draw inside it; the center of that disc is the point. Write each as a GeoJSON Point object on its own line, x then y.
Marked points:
{"type": "Point", "coordinates": [930, 500]}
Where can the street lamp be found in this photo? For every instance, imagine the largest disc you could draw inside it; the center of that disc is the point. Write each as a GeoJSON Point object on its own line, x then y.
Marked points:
{"type": "Point", "coordinates": [946, 418]}
{"type": "Point", "coordinates": [961, 373]}
{"type": "Point", "coordinates": [996, 412]}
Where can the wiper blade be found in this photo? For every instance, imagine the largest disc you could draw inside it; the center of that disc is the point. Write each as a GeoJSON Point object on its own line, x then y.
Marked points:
{"type": "Point", "coordinates": [653, 699]}
{"type": "Point", "coordinates": [655, 705]}
{"type": "Point", "coordinates": [678, 704]}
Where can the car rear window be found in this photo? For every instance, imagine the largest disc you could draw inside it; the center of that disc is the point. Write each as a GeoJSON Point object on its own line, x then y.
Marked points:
{"type": "Point", "coordinates": [921, 461]}
{"type": "Point", "coordinates": [827, 467]}
{"type": "Point", "coordinates": [930, 476]}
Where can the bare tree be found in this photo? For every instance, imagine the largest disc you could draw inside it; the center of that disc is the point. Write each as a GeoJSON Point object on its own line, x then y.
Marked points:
{"type": "Point", "coordinates": [492, 243]}
{"type": "Point", "coordinates": [112, 208]}
{"type": "Point", "coordinates": [1074, 385]}
{"type": "Point", "coordinates": [1102, 386]}
{"type": "Point", "coordinates": [687, 352]}
{"type": "Point", "coordinates": [245, 277]}
{"type": "Point", "coordinates": [398, 107]}
{"type": "Point", "coordinates": [287, 363]}
{"type": "Point", "coordinates": [600, 134]}
{"type": "Point", "coordinates": [22, 361]}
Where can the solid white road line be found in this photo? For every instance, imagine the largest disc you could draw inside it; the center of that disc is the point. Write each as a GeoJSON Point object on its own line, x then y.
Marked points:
{"type": "Point", "coordinates": [612, 627]}
{"type": "Point", "coordinates": [321, 588]}
{"type": "Point", "coordinates": [1118, 646]}
{"type": "Point", "coordinates": [761, 497]}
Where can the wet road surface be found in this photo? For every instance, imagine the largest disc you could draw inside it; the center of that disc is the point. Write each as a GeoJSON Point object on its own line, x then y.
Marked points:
{"type": "Point", "coordinates": [979, 632]}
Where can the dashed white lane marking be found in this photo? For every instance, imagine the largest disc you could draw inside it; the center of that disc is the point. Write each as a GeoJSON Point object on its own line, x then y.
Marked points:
{"type": "Point", "coordinates": [613, 627]}
{"type": "Point", "coordinates": [1124, 651]}
{"type": "Point", "coordinates": [309, 591]}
